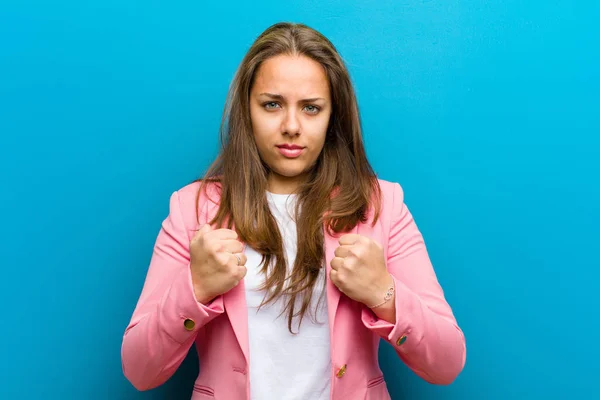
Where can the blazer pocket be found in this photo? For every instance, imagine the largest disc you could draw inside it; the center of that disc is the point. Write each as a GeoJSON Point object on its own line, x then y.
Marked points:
{"type": "Point", "coordinates": [377, 389]}
{"type": "Point", "coordinates": [374, 382]}
{"type": "Point", "coordinates": [203, 392]}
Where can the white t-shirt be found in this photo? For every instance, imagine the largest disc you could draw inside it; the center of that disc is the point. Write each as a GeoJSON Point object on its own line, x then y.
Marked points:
{"type": "Point", "coordinates": [285, 366]}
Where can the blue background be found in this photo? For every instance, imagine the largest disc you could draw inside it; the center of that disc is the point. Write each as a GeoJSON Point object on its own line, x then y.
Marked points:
{"type": "Point", "coordinates": [486, 112]}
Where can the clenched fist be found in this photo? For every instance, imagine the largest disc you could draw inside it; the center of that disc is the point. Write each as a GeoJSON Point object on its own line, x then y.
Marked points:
{"type": "Point", "coordinates": [214, 262]}
{"type": "Point", "coordinates": [359, 269]}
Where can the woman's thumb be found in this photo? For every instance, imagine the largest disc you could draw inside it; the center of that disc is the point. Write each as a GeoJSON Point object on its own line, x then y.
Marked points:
{"type": "Point", "coordinates": [204, 229]}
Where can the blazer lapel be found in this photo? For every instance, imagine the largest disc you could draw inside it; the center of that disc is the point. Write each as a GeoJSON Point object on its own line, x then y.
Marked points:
{"type": "Point", "coordinates": [333, 293]}
{"type": "Point", "coordinates": [234, 301]}
{"type": "Point", "coordinates": [235, 305]}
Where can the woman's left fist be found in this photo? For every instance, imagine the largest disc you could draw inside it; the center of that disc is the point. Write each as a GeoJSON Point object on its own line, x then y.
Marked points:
{"type": "Point", "coordinates": [359, 269]}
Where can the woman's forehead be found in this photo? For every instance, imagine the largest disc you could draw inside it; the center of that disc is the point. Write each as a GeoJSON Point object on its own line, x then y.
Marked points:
{"type": "Point", "coordinates": [292, 77]}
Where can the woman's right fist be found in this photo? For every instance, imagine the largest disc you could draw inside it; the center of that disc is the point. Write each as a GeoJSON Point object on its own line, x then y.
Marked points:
{"type": "Point", "coordinates": [213, 262]}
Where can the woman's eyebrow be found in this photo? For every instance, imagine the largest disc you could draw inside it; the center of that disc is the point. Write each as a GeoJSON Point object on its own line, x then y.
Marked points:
{"type": "Point", "coordinates": [281, 98]}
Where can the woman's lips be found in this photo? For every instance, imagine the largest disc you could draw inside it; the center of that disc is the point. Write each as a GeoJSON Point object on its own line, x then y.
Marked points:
{"type": "Point", "coordinates": [290, 151]}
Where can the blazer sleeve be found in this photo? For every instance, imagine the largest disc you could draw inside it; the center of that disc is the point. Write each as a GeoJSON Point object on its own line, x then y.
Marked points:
{"type": "Point", "coordinates": [167, 316]}
{"type": "Point", "coordinates": [426, 335]}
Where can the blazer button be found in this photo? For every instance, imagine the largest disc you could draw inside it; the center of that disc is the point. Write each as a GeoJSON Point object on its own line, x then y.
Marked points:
{"type": "Point", "coordinates": [341, 371]}
{"type": "Point", "coordinates": [189, 324]}
{"type": "Point", "coordinates": [401, 340]}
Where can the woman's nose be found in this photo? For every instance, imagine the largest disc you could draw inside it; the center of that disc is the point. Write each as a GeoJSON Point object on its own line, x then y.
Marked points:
{"type": "Point", "coordinates": [291, 123]}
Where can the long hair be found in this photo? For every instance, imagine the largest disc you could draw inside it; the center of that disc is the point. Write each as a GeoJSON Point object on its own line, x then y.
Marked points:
{"type": "Point", "coordinates": [337, 193]}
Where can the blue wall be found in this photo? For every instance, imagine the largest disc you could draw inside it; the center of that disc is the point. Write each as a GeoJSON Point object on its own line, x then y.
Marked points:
{"type": "Point", "coordinates": [107, 107]}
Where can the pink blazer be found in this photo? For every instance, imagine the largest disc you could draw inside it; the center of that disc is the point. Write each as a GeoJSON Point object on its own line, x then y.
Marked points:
{"type": "Point", "coordinates": [168, 320]}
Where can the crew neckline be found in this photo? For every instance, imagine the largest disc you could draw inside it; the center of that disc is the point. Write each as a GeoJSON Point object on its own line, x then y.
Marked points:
{"type": "Point", "coordinates": [280, 198]}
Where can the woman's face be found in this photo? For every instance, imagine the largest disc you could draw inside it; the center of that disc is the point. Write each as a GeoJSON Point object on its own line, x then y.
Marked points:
{"type": "Point", "coordinates": [290, 107]}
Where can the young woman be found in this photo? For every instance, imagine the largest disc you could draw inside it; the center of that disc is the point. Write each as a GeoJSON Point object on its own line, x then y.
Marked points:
{"type": "Point", "coordinates": [290, 260]}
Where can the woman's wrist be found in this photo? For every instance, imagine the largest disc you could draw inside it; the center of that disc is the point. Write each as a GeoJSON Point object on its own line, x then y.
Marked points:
{"type": "Point", "coordinates": [383, 293]}
{"type": "Point", "coordinates": [201, 295]}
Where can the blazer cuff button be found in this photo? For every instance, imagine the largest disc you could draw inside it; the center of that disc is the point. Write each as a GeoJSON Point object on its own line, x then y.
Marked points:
{"type": "Point", "coordinates": [189, 324]}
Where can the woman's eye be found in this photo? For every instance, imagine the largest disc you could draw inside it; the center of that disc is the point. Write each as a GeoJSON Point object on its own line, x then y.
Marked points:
{"type": "Point", "coordinates": [270, 105]}
{"type": "Point", "coordinates": [311, 109]}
